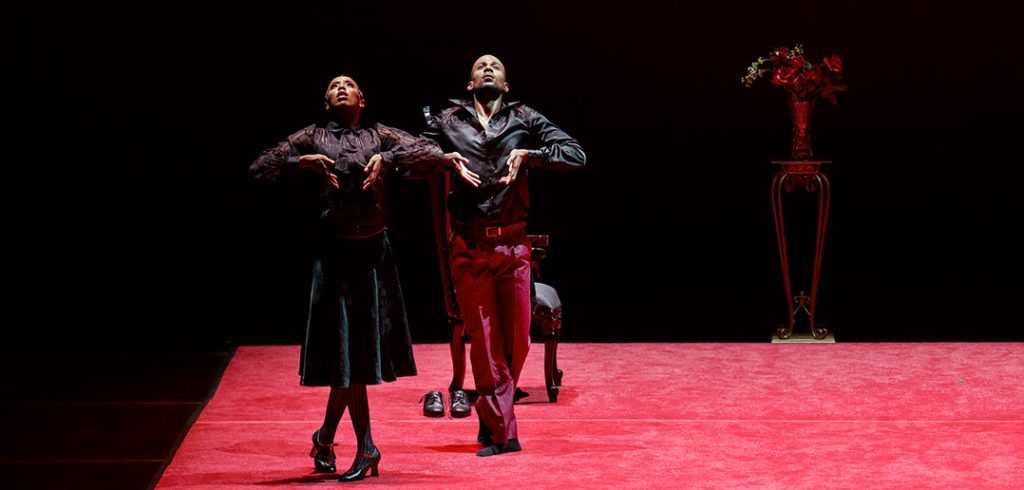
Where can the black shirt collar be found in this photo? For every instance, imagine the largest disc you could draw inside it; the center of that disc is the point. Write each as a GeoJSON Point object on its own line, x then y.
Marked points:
{"type": "Point", "coordinates": [467, 104]}
{"type": "Point", "coordinates": [336, 127]}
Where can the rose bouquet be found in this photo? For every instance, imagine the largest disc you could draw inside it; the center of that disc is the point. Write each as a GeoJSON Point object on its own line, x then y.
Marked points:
{"type": "Point", "coordinates": [804, 81]}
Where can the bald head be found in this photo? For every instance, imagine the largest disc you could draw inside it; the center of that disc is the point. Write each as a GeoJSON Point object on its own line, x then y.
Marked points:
{"type": "Point", "coordinates": [487, 77]}
{"type": "Point", "coordinates": [487, 58]}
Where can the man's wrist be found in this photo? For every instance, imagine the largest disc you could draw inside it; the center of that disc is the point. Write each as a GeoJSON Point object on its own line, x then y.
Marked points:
{"type": "Point", "coordinates": [534, 157]}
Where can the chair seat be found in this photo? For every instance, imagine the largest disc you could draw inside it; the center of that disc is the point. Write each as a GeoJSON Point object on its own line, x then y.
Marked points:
{"type": "Point", "coordinates": [547, 298]}
{"type": "Point", "coordinates": [547, 310]}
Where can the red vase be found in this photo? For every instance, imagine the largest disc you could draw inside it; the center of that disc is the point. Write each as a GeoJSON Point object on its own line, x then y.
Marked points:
{"type": "Point", "coordinates": [801, 111]}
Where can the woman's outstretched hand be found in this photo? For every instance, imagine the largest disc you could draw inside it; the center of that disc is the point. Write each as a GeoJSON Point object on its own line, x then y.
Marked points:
{"type": "Point", "coordinates": [322, 166]}
{"type": "Point", "coordinates": [372, 170]}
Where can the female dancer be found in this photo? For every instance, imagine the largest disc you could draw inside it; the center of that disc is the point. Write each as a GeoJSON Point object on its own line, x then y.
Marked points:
{"type": "Point", "coordinates": [357, 333]}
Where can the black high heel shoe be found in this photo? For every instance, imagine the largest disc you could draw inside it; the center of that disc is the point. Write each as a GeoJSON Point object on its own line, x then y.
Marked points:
{"type": "Point", "coordinates": [323, 455]}
{"type": "Point", "coordinates": [365, 465]}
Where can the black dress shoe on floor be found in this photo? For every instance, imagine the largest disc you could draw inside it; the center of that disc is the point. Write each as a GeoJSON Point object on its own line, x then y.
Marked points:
{"type": "Point", "coordinates": [460, 404]}
{"type": "Point", "coordinates": [433, 404]}
{"type": "Point", "coordinates": [519, 395]}
{"type": "Point", "coordinates": [509, 446]}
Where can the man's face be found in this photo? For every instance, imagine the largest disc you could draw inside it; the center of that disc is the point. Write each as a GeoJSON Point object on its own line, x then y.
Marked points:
{"type": "Point", "coordinates": [488, 73]}
{"type": "Point", "coordinates": [343, 93]}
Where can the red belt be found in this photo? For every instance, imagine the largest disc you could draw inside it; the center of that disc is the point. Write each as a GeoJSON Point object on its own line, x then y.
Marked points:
{"type": "Point", "coordinates": [493, 231]}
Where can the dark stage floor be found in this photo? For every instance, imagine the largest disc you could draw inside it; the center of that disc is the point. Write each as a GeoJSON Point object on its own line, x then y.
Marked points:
{"type": "Point", "coordinates": [99, 418]}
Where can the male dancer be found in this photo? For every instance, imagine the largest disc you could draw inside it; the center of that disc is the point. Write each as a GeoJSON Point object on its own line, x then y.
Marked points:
{"type": "Point", "coordinates": [490, 252]}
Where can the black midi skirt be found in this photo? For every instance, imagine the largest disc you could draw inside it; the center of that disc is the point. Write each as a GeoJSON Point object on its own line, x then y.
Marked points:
{"type": "Point", "coordinates": [357, 330]}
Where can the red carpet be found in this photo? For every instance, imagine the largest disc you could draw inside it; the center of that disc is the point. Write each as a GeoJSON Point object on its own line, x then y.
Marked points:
{"type": "Point", "coordinates": [650, 415]}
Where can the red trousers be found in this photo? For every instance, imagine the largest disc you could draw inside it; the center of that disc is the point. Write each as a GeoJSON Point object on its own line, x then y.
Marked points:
{"type": "Point", "coordinates": [492, 283]}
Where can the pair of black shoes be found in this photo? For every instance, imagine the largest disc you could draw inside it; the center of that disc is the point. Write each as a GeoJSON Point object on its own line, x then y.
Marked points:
{"type": "Point", "coordinates": [366, 464]}
{"type": "Point", "coordinates": [433, 404]}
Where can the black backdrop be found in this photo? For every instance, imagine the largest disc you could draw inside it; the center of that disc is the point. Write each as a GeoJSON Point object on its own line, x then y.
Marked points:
{"type": "Point", "coordinates": [129, 215]}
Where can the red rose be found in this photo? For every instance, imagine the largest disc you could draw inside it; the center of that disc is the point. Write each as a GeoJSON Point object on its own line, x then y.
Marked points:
{"type": "Point", "coordinates": [782, 52]}
{"type": "Point", "coordinates": [812, 75]}
{"type": "Point", "coordinates": [798, 61]}
{"type": "Point", "coordinates": [833, 63]}
{"type": "Point", "coordinates": [784, 75]}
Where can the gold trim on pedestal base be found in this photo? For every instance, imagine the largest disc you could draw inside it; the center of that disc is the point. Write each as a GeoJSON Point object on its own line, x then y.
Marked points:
{"type": "Point", "coordinates": [804, 339]}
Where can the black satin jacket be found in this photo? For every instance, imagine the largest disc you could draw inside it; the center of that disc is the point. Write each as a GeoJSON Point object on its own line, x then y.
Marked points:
{"type": "Point", "coordinates": [514, 126]}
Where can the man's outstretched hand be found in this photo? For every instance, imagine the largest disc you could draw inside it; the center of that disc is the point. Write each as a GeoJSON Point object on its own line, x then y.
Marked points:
{"type": "Point", "coordinates": [459, 163]}
{"type": "Point", "coordinates": [515, 160]}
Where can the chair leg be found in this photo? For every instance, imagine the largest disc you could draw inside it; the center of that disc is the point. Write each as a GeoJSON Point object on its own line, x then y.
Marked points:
{"type": "Point", "coordinates": [552, 375]}
{"type": "Point", "coordinates": [549, 320]}
{"type": "Point", "coordinates": [457, 348]}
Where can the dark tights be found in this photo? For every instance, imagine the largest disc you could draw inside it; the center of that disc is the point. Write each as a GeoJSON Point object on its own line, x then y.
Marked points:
{"type": "Point", "coordinates": [353, 397]}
